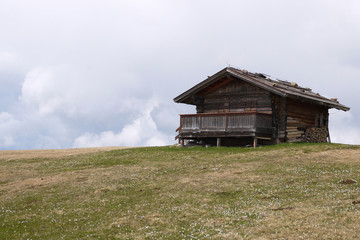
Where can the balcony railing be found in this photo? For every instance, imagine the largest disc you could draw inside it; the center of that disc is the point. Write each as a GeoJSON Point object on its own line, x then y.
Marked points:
{"type": "Point", "coordinates": [225, 123]}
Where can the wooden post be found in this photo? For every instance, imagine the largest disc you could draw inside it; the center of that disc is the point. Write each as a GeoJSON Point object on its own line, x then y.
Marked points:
{"type": "Point", "coordinates": [182, 142]}
{"type": "Point", "coordinates": [218, 142]}
{"type": "Point", "coordinates": [327, 126]}
{"type": "Point", "coordinates": [226, 122]}
{"type": "Point", "coordinates": [255, 142]}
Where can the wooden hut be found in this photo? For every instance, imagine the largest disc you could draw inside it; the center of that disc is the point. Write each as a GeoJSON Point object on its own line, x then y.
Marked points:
{"type": "Point", "coordinates": [236, 107]}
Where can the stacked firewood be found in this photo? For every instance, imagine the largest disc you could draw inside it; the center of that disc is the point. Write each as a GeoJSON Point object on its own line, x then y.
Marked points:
{"type": "Point", "coordinates": [316, 134]}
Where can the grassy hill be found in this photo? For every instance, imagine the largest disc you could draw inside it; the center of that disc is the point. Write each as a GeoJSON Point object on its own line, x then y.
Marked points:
{"type": "Point", "coordinates": [289, 191]}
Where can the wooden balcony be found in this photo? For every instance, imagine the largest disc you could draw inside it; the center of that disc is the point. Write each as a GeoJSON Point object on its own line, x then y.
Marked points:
{"type": "Point", "coordinates": [246, 124]}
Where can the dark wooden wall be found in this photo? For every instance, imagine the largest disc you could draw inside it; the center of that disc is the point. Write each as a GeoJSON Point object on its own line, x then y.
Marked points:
{"type": "Point", "coordinates": [302, 116]}
{"type": "Point", "coordinates": [236, 96]}
{"type": "Point", "coordinates": [290, 117]}
{"type": "Point", "coordinates": [279, 117]}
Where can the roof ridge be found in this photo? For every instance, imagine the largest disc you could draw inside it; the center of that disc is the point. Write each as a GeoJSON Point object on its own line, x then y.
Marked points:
{"type": "Point", "coordinates": [279, 87]}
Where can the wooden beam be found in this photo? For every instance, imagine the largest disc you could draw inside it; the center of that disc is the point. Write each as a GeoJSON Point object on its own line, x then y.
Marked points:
{"type": "Point", "coordinates": [218, 142]}
{"type": "Point", "coordinates": [265, 138]}
{"type": "Point", "coordinates": [215, 86]}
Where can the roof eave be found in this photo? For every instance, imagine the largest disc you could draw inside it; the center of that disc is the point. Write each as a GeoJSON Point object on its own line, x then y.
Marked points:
{"type": "Point", "coordinates": [185, 95]}
{"type": "Point", "coordinates": [258, 84]}
{"type": "Point", "coordinates": [341, 107]}
{"type": "Point", "coordinates": [326, 103]}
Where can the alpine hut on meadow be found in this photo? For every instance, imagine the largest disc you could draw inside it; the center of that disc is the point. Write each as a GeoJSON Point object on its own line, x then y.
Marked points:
{"type": "Point", "coordinates": [236, 107]}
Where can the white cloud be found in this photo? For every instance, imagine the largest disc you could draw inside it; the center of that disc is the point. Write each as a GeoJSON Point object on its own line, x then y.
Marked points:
{"type": "Point", "coordinates": [348, 135]}
{"type": "Point", "coordinates": [8, 126]}
{"type": "Point", "coordinates": [9, 61]}
{"type": "Point", "coordinates": [40, 91]}
{"type": "Point", "coordinates": [93, 66]}
{"type": "Point", "coordinates": [344, 128]}
{"type": "Point", "coordinates": [141, 132]}
{"type": "Point", "coordinates": [31, 132]}
{"type": "Point", "coordinates": [46, 142]}
{"type": "Point", "coordinates": [78, 92]}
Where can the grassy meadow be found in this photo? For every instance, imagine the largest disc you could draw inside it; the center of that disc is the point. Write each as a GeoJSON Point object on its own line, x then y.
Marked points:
{"type": "Point", "coordinates": [287, 191]}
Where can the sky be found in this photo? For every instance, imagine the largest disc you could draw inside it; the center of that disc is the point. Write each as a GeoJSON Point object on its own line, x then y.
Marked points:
{"type": "Point", "coordinates": [91, 73]}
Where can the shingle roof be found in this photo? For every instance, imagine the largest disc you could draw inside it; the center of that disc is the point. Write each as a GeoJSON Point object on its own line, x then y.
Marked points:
{"type": "Point", "coordinates": [278, 87]}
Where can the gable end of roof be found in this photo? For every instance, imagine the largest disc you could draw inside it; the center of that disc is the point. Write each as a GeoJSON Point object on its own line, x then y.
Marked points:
{"type": "Point", "coordinates": [277, 87]}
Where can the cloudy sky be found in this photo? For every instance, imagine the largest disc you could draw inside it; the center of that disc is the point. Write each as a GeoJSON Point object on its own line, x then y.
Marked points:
{"type": "Point", "coordinates": [78, 73]}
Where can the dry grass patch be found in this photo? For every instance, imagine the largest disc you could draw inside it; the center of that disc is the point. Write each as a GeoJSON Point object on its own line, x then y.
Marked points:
{"type": "Point", "coordinates": [287, 191]}
{"type": "Point", "coordinates": [51, 153]}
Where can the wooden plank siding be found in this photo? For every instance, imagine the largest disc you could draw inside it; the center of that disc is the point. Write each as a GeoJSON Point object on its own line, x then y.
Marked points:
{"type": "Point", "coordinates": [279, 117]}
{"type": "Point", "coordinates": [302, 116]}
{"type": "Point", "coordinates": [235, 96]}
{"type": "Point", "coordinates": [234, 104]}
{"type": "Point", "coordinates": [250, 124]}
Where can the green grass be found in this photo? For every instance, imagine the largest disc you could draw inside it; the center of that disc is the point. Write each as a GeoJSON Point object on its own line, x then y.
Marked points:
{"type": "Point", "coordinates": [287, 191]}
